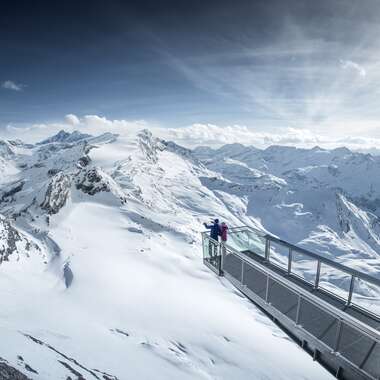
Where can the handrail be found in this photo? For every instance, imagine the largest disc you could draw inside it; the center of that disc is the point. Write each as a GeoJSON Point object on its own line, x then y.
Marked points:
{"type": "Point", "coordinates": [332, 263]}
{"type": "Point", "coordinates": [346, 318]}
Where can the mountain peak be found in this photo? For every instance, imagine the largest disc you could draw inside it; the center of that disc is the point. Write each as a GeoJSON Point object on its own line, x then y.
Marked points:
{"type": "Point", "coordinates": [67, 137]}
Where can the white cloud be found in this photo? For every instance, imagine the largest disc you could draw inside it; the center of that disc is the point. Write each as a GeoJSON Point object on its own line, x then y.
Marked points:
{"type": "Point", "coordinates": [209, 134]}
{"type": "Point", "coordinates": [10, 85]}
{"type": "Point", "coordinates": [72, 119]}
{"type": "Point", "coordinates": [350, 65]}
{"type": "Point", "coordinates": [196, 134]}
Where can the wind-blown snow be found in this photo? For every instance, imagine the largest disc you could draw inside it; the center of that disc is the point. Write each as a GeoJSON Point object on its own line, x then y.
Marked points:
{"type": "Point", "coordinates": [107, 280]}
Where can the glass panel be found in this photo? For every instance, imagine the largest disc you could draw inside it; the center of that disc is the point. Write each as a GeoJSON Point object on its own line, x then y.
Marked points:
{"type": "Point", "coordinates": [205, 244]}
{"type": "Point", "coordinates": [304, 267]}
{"type": "Point", "coordinates": [367, 296]}
{"type": "Point", "coordinates": [211, 252]}
{"type": "Point", "coordinates": [247, 240]}
{"type": "Point", "coordinates": [334, 281]}
{"type": "Point", "coordinates": [279, 255]}
{"type": "Point", "coordinates": [210, 249]}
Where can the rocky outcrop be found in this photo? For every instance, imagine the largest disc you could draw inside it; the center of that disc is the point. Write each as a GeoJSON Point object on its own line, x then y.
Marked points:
{"type": "Point", "coordinates": [92, 181]}
{"type": "Point", "coordinates": [6, 151]}
{"type": "Point", "coordinates": [65, 137]}
{"type": "Point", "coordinates": [9, 237]}
{"type": "Point", "coordinates": [12, 241]}
{"type": "Point", "coordinates": [352, 219]}
{"type": "Point", "coordinates": [68, 275]}
{"type": "Point", "coordinates": [12, 190]}
{"type": "Point", "coordinates": [9, 373]}
{"type": "Point", "coordinates": [57, 193]}
{"type": "Point", "coordinates": [149, 145]}
{"type": "Point", "coordinates": [83, 161]}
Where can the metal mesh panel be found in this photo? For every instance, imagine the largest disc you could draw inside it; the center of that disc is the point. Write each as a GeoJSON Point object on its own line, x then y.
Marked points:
{"type": "Point", "coordinates": [372, 363]}
{"type": "Point", "coordinates": [318, 323]}
{"type": "Point", "coordinates": [354, 345]}
{"type": "Point", "coordinates": [255, 280]}
{"type": "Point", "coordinates": [232, 265]}
{"type": "Point", "coordinates": [283, 299]}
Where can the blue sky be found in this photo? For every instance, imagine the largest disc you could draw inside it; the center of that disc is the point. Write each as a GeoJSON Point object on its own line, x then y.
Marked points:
{"type": "Point", "coordinates": [267, 65]}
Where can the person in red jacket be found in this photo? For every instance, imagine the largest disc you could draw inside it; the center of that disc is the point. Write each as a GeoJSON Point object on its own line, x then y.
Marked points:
{"type": "Point", "coordinates": [223, 232]}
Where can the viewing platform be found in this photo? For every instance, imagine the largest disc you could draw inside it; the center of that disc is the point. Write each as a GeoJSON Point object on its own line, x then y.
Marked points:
{"type": "Point", "coordinates": [331, 310]}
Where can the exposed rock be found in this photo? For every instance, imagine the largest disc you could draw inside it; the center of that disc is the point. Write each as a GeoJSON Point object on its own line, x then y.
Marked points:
{"type": "Point", "coordinates": [150, 145]}
{"type": "Point", "coordinates": [57, 193]}
{"type": "Point", "coordinates": [15, 188]}
{"type": "Point", "coordinates": [65, 137]}
{"type": "Point", "coordinates": [9, 236]}
{"type": "Point", "coordinates": [52, 172]}
{"type": "Point", "coordinates": [135, 230]}
{"type": "Point", "coordinates": [5, 149]}
{"type": "Point", "coordinates": [9, 373]}
{"type": "Point", "coordinates": [11, 241]}
{"type": "Point", "coordinates": [68, 275]}
{"type": "Point", "coordinates": [91, 182]}
{"type": "Point", "coordinates": [84, 161]}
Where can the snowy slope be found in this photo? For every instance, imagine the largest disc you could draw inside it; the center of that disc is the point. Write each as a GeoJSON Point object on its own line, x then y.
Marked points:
{"type": "Point", "coordinates": [102, 276]}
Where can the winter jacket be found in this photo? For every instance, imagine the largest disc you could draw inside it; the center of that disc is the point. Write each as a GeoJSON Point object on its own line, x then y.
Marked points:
{"type": "Point", "coordinates": [223, 232]}
{"type": "Point", "coordinates": [214, 230]}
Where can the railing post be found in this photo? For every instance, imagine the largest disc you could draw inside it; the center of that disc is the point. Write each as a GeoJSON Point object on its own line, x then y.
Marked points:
{"type": "Point", "coordinates": [352, 284]}
{"type": "Point", "coordinates": [290, 258]}
{"type": "Point", "coordinates": [338, 336]}
{"type": "Point", "coordinates": [220, 246]}
{"type": "Point", "coordinates": [267, 249]}
{"type": "Point", "coordinates": [318, 275]}
{"type": "Point", "coordinates": [298, 310]}
{"type": "Point", "coordinates": [267, 290]}
{"type": "Point", "coordinates": [222, 254]}
{"type": "Point", "coordinates": [242, 272]}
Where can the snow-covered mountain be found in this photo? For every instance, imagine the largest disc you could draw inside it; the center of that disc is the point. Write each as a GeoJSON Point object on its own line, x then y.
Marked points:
{"type": "Point", "coordinates": [325, 200]}
{"type": "Point", "coordinates": [100, 258]}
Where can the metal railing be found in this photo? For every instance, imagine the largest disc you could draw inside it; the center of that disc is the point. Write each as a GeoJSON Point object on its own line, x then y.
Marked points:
{"type": "Point", "coordinates": [326, 275]}
{"type": "Point", "coordinates": [343, 343]}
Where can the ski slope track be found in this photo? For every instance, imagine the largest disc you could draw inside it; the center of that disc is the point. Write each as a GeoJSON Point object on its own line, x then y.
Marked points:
{"type": "Point", "coordinates": [101, 273]}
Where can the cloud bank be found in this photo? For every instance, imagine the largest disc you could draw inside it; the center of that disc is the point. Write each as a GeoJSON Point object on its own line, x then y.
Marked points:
{"type": "Point", "coordinates": [213, 135]}
{"type": "Point", "coordinates": [196, 134]}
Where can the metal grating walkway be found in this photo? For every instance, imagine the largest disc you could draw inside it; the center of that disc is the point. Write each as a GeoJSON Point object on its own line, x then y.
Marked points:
{"type": "Point", "coordinates": [331, 310]}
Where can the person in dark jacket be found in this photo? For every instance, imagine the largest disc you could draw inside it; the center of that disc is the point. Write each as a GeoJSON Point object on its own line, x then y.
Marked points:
{"type": "Point", "coordinates": [214, 229]}
{"type": "Point", "coordinates": [214, 234]}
